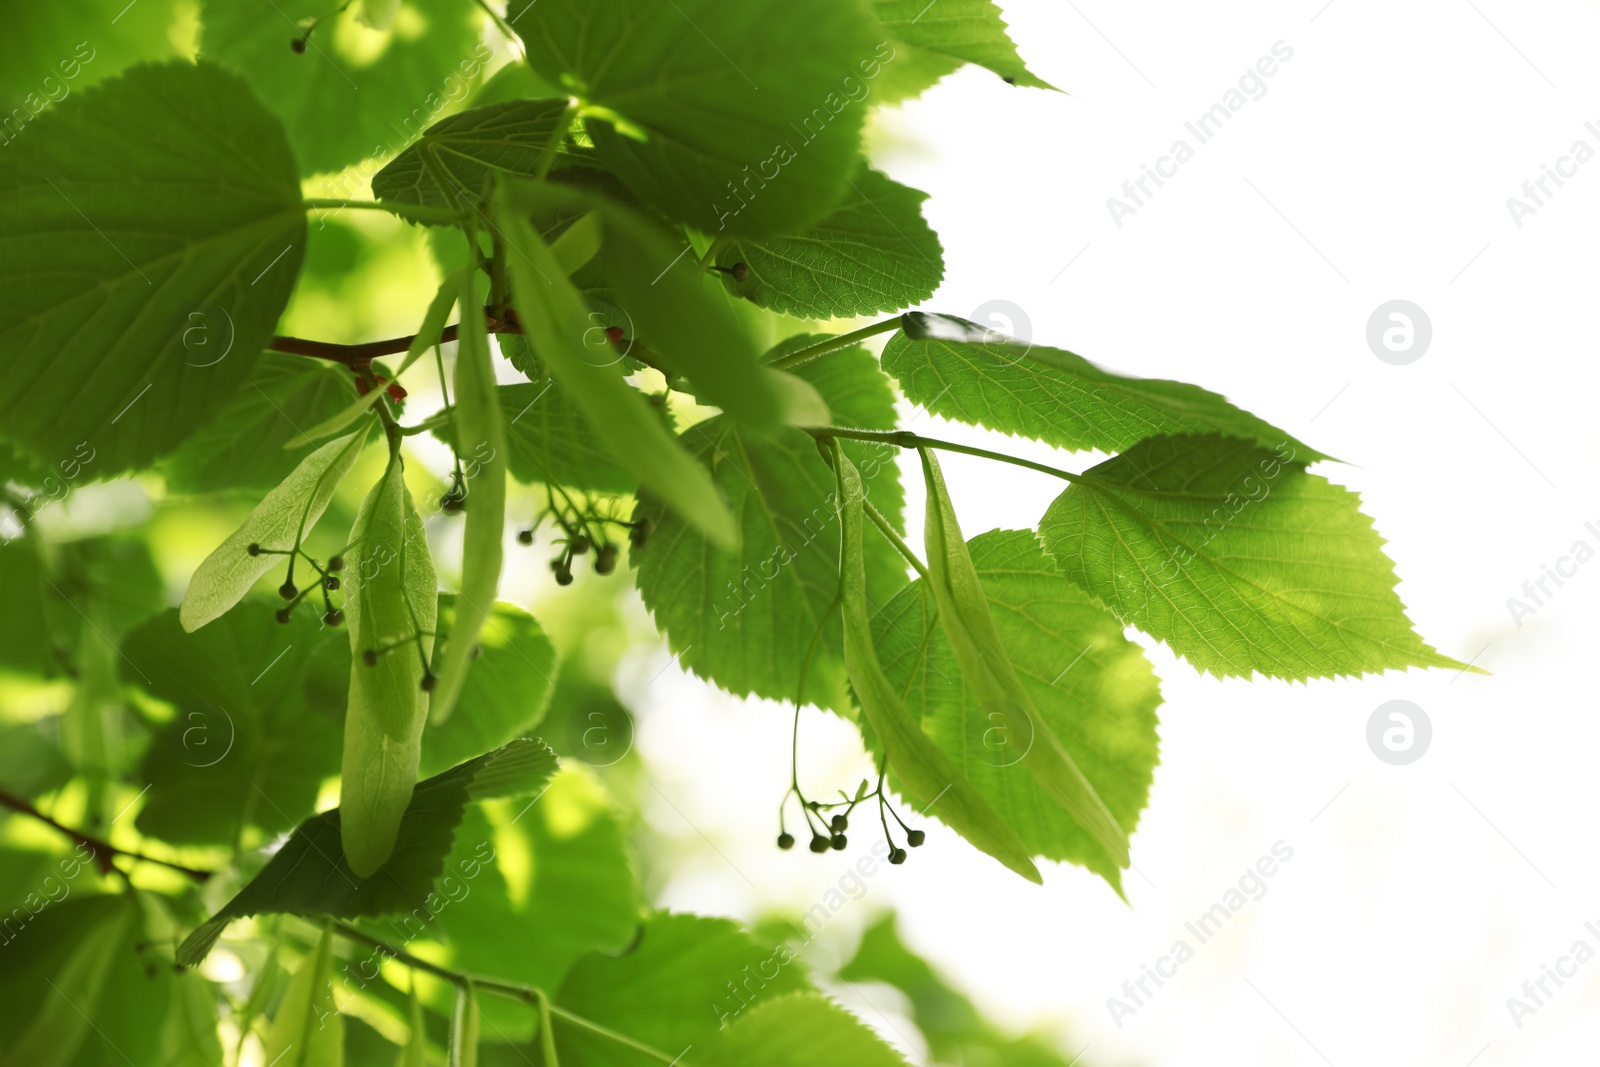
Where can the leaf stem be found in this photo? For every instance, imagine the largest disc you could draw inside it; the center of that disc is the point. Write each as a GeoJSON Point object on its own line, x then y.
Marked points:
{"type": "Point", "coordinates": [710, 257]}
{"type": "Point", "coordinates": [906, 439]}
{"type": "Point", "coordinates": [882, 523]}
{"type": "Point", "coordinates": [547, 156]}
{"type": "Point", "coordinates": [512, 990]}
{"type": "Point", "coordinates": [833, 344]}
{"type": "Point", "coordinates": [104, 850]}
{"type": "Point", "coordinates": [409, 212]}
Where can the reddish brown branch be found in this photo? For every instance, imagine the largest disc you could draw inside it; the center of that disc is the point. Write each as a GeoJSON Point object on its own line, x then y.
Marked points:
{"type": "Point", "coordinates": [360, 356]}
{"type": "Point", "coordinates": [103, 850]}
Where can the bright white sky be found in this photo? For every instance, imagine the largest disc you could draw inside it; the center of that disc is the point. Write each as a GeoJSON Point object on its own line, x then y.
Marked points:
{"type": "Point", "coordinates": [1376, 167]}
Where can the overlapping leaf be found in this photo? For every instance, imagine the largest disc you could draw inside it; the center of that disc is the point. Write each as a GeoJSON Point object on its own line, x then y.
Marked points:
{"type": "Point", "coordinates": [309, 876]}
{"type": "Point", "coordinates": [1089, 685]}
{"type": "Point", "coordinates": [964, 372]}
{"type": "Point", "coordinates": [873, 252]}
{"type": "Point", "coordinates": [1237, 558]}
{"type": "Point", "coordinates": [188, 205]}
{"type": "Point", "coordinates": [769, 1034]}
{"type": "Point", "coordinates": [465, 149]}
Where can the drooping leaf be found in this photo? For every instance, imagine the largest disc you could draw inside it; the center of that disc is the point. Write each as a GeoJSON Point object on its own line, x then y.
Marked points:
{"type": "Point", "coordinates": [1089, 685]}
{"type": "Point", "coordinates": [391, 601]}
{"type": "Point", "coordinates": [555, 885]}
{"type": "Point", "coordinates": [309, 876]}
{"type": "Point", "coordinates": [800, 1030]}
{"type": "Point", "coordinates": [741, 118]}
{"type": "Point", "coordinates": [965, 372]}
{"type": "Point", "coordinates": [873, 252]}
{"type": "Point", "coordinates": [466, 148]}
{"type": "Point", "coordinates": [352, 91]}
{"type": "Point", "coordinates": [308, 1030]}
{"type": "Point", "coordinates": [670, 990]}
{"type": "Point", "coordinates": [967, 31]}
{"type": "Point", "coordinates": [481, 442]}
{"type": "Point", "coordinates": [922, 771]}
{"type": "Point", "coordinates": [505, 693]}
{"type": "Point", "coordinates": [256, 723]}
{"type": "Point", "coordinates": [986, 667]}
{"type": "Point", "coordinates": [246, 446]}
{"type": "Point", "coordinates": [555, 317]}
{"type": "Point", "coordinates": [749, 619]}
{"type": "Point", "coordinates": [99, 285]}
{"type": "Point", "coordinates": [277, 524]}
{"type": "Point", "coordinates": [1237, 558]}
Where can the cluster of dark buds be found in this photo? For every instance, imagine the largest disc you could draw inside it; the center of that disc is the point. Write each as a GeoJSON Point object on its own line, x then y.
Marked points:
{"type": "Point", "coordinates": [327, 582]}
{"type": "Point", "coordinates": [828, 824]}
{"type": "Point", "coordinates": [582, 530]}
{"type": "Point", "coordinates": [738, 272]}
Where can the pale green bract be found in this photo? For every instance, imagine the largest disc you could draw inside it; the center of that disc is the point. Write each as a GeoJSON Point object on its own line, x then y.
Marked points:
{"type": "Point", "coordinates": [1237, 558]}
{"type": "Point", "coordinates": [390, 606]}
{"type": "Point", "coordinates": [308, 1030]}
{"type": "Point", "coordinates": [481, 443]}
{"type": "Point", "coordinates": [278, 524]}
{"type": "Point", "coordinates": [873, 252]}
{"type": "Point", "coordinates": [986, 666]}
{"type": "Point", "coordinates": [1091, 686]}
{"type": "Point", "coordinates": [923, 772]}
{"type": "Point", "coordinates": [963, 371]}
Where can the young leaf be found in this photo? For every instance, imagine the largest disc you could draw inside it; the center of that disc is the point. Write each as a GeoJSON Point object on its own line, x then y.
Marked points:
{"type": "Point", "coordinates": [426, 337]}
{"type": "Point", "coordinates": [505, 693]}
{"type": "Point", "coordinates": [554, 318]}
{"type": "Point", "coordinates": [278, 524]}
{"type": "Point", "coordinates": [1237, 558]}
{"type": "Point", "coordinates": [969, 31]}
{"type": "Point", "coordinates": [481, 441]}
{"type": "Point", "coordinates": [350, 91]}
{"type": "Point", "coordinates": [658, 992]}
{"type": "Point", "coordinates": [968, 373]}
{"type": "Point", "coordinates": [308, 1030]}
{"type": "Point", "coordinates": [390, 604]}
{"type": "Point", "coordinates": [750, 129]}
{"type": "Point", "coordinates": [873, 252]}
{"type": "Point", "coordinates": [102, 285]}
{"type": "Point", "coordinates": [923, 771]}
{"type": "Point", "coordinates": [309, 876]}
{"type": "Point", "coordinates": [467, 148]}
{"type": "Point", "coordinates": [800, 1030]}
{"type": "Point", "coordinates": [1088, 685]}
{"type": "Point", "coordinates": [986, 667]}
{"type": "Point", "coordinates": [254, 440]}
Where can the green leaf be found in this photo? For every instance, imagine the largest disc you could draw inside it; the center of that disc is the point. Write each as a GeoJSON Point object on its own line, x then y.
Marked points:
{"type": "Point", "coordinates": [506, 691]}
{"type": "Point", "coordinates": [277, 524]}
{"type": "Point", "coordinates": [1236, 558]}
{"type": "Point", "coordinates": [189, 1036]}
{"type": "Point", "coordinates": [742, 118]}
{"type": "Point", "coordinates": [548, 440]}
{"type": "Point", "coordinates": [660, 990]}
{"type": "Point", "coordinates": [969, 31]}
{"type": "Point", "coordinates": [560, 887]}
{"type": "Point", "coordinates": [468, 148]}
{"type": "Point", "coordinates": [46, 55]}
{"type": "Point", "coordinates": [247, 444]}
{"type": "Point", "coordinates": [800, 1030]}
{"type": "Point", "coordinates": [873, 252]}
{"type": "Point", "coordinates": [426, 337]}
{"type": "Point", "coordinates": [986, 666]}
{"type": "Point", "coordinates": [962, 371]}
{"type": "Point", "coordinates": [353, 92]}
{"type": "Point", "coordinates": [256, 723]}
{"type": "Point", "coordinates": [100, 281]}
{"type": "Point", "coordinates": [554, 317]}
{"type": "Point", "coordinates": [30, 639]}
{"type": "Point", "coordinates": [390, 603]}
{"type": "Point", "coordinates": [308, 1030]}
{"type": "Point", "coordinates": [481, 443]}
{"type": "Point", "coordinates": [923, 772]}
{"type": "Point", "coordinates": [1087, 684]}
{"type": "Point", "coordinates": [752, 618]}
{"type": "Point", "coordinates": [309, 876]}
{"type": "Point", "coordinates": [60, 1023]}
